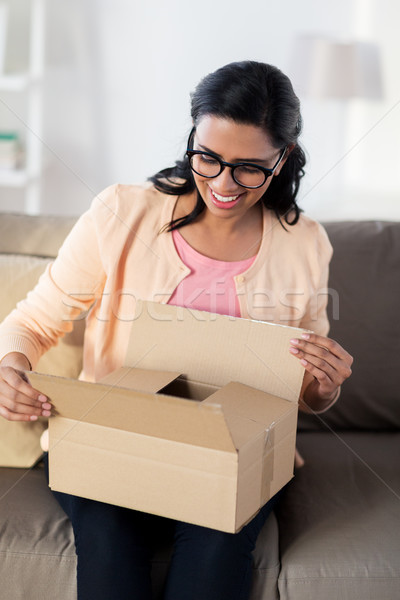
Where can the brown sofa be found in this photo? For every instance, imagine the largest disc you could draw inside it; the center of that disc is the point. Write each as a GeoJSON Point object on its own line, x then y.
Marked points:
{"type": "Point", "coordinates": [337, 531]}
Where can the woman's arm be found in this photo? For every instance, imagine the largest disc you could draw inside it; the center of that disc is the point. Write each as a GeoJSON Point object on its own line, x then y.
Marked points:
{"type": "Point", "coordinates": [68, 287]}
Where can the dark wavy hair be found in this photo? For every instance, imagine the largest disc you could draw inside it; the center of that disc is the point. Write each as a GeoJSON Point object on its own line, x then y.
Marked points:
{"type": "Point", "coordinates": [251, 93]}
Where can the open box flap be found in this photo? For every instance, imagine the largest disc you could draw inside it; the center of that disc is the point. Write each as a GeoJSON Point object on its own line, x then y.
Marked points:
{"type": "Point", "coordinates": [143, 380]}
{"type": "Point", "coordinates": [146, 414]}
{"type": "Point", "coordinates": [215, 349]}
{"type": "Point", "coordinates": [250, 412]}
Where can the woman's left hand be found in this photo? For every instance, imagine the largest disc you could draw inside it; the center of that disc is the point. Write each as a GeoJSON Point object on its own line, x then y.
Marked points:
{"type": "Point", "coordinates": [326, 361]}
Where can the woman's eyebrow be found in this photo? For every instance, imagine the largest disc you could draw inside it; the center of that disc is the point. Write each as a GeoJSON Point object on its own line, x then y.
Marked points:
{"type": "Point", "coordinates": [250, 160]}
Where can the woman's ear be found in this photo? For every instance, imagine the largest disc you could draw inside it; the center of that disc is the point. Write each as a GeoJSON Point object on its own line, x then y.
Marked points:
{"type": "Point", "coordinates": [288, 150]}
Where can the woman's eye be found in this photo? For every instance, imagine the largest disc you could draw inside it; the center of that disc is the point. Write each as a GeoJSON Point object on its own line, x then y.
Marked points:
{"type": "Point", "coordinates": [250, 170]}
{"type": "Point", "coordinates": [209, 160]}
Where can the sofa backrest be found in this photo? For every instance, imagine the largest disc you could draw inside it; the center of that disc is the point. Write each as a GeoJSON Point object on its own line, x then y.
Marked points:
{"type": "Point", "coordinates": [27, 245]}
{"type": "Point", "coordinates": [364, 315]}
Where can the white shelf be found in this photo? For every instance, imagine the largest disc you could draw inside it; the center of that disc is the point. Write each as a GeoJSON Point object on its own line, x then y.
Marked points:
{"type": "Point", "coordinates": [29, 84]}
{"type": "Point", "coordinates": [13, 178]}
{"type": "Point", "coordinates": [14, 83]}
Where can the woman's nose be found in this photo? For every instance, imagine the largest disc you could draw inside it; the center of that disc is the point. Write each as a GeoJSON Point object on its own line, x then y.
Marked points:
{"type": "Point", "coordinates": [224, 183]}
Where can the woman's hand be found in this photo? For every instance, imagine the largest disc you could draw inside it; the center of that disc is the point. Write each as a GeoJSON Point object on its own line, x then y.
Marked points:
{"type": "Point", "coordinates": [328, 364]}
{"type": "Point", "coordinates": [18, 400]}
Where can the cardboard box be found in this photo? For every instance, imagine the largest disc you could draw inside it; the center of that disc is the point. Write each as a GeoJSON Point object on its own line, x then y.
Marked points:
{"type": "Point", "coordinates": [199, 426]}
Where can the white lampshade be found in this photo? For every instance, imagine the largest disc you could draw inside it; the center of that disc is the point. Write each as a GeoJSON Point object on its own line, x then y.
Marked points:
{"type": "Point", "coordinates": [325, 68]}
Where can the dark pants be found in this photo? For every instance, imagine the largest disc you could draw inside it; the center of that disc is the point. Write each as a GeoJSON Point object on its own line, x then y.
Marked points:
{"type": "Point", "coordinates": [114, 546]}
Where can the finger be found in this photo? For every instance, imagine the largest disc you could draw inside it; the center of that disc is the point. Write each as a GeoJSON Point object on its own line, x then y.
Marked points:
{"type": "Point", "coordinates": [311, 351]}
{"type": "Point", "coordinates": [12, 409]}
{"type": "Point", "coordinates": [322, 371]}
{"type": "Point", "coordinates": [334, 347]}
{"type": "Point", "coordinates": [335, 373]}
{"type": "Point", "coordinates": [12, 416]}
{"type": "Point", "coordinates": [12, 405]}
{"type": "Point", "coordinates": [326, 382]}
{"type": "Point", "coordinates": [14, 399]}
{"type": "Point", "coordinates": [316, 365]}
{"type": "Point", "coordinates": [308, 350]}
{"type": "Point", "coordinates": [17, 381]}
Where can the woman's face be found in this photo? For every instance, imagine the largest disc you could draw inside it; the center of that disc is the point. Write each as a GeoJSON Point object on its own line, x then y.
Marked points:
{"type": "Point", "coordinates": [233, 142]}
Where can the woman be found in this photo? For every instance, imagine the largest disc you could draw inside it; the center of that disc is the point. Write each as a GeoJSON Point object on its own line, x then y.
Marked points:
{"type": "Point", "coordinates": [220, 231]}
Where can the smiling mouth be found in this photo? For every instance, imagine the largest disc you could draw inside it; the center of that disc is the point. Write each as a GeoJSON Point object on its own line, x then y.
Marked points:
{"type": "Point", "coordinates": [224, 198]}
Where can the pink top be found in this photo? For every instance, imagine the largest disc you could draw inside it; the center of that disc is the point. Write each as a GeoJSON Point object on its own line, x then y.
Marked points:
{"type": "Point", "coordinates": [210, 285]}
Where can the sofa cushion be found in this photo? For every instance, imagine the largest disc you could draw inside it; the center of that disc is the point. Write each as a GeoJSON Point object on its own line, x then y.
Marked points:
{"type": "Point", "coordinates": [19, 442]}
{"type": "Point", "coordinates": [37, 551]}
{"type": "Point", "coordinates": [363, 311]}
{"type": "Point", "coordinates": [339, 521]}
{"type": "Point", "coordinates": [266, 562]}
{"type": "Point", "coordinates": [37, 235]}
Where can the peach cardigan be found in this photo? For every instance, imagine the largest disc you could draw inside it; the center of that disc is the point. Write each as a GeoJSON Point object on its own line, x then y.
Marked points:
{"type": "Point", "coordinates": [116, 254]}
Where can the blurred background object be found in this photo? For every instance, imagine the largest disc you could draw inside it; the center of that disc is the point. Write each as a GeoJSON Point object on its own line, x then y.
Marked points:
{"type": "Point", "coordinates": [330, 74]}
{"type": "Point", "coordinates": [3, 34]}
{"type": "Point", "coordinates": [21, 108]}
{"type": "Point", "coordinates": [329, 68]}
{"type": "Point", "coordinates": [110, 97]}
{"type": "Point", "coordinates": [10, 151]}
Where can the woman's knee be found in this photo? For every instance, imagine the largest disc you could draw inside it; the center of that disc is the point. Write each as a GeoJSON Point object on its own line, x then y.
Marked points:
{"type": "Point", "coordinates": [209, 547]}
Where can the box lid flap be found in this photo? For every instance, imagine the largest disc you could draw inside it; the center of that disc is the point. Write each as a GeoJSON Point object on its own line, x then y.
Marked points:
{"type": "Point", "coordinates": [215, 349]}
{"type": "Point", "coordinates": [154, 415]}
{"type": "Point", "coordinates": [248, 411]}
{"type": "Point", "coordinates": [143, 380]}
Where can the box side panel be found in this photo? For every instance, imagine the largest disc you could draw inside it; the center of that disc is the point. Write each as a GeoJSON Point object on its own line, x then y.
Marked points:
{"type": "Point", "coordinates": [278, 456]}
{"type": "Point", "coordinates": [125, 442]}
{"type": "Point", "coordinates": [263, 428]}
{"type": "Point", "coordinates": [265, 466]}
{"type": "Point", "coordinates": [250, 479]}
{"type": "Point", "coordinates": [178, 481]}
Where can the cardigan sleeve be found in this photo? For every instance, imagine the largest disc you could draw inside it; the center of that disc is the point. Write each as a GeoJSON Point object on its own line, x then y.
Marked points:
{"type": "Point", "coordinates": [315, 317]}
{"type": "Point", "coordinates": [69, 286]}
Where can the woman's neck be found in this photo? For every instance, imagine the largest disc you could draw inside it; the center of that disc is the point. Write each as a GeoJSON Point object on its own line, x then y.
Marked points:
{"type": "Point", "coordinates": [222, 238]}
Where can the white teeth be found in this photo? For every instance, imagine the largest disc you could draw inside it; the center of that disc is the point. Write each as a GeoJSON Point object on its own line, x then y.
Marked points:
{"type": "Point", "coordinates": [224, 198]}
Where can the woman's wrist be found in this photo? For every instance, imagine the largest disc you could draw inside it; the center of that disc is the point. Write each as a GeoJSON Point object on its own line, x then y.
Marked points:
{"type": "Point", "coordinates": [312, 402]}
{"type": "Point", "coordinates": [17, 360]}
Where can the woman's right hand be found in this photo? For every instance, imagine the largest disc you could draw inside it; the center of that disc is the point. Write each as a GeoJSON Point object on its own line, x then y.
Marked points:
{"type": "Point", "coordinates": [19, 401]}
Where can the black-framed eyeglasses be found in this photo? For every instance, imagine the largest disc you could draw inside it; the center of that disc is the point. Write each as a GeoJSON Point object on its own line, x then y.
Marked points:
{"type": "Point", "coordinates": [245, 174]}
